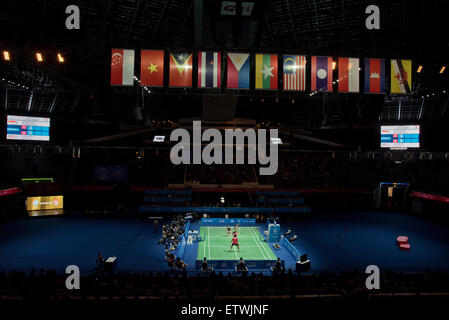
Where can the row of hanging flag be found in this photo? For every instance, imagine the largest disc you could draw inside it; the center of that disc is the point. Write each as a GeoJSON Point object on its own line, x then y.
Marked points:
{"type": "Point", "coordinates": [266, 71]}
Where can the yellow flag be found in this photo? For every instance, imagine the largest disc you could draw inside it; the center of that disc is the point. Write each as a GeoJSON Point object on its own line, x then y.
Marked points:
{"type": "Point", "coordinates": [401, 76]}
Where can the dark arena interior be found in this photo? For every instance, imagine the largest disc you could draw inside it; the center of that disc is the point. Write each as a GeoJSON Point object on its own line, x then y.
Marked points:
{"type": "Point", "coordinates": [272, 151]}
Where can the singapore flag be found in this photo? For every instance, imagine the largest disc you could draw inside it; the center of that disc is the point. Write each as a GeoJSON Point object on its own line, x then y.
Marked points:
{"type": "Point", "coordinates": [122, 67]}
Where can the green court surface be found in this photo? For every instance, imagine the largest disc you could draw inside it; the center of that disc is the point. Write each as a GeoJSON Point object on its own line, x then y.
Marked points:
{"type": "Point", "coordinates": [216, 245]}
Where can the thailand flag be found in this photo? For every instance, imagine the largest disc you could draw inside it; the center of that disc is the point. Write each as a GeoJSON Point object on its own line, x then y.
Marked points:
{"type": "Point", "coordinates": [238, 70]}
{"type": "Point", "coordinates": [209, 69]}
{"type": "Point", "coordinates": [122, 67]}
{"type": "Point", "coordinates": [321, 74]}
{"type": "Point", "coordinates": [374, 76]}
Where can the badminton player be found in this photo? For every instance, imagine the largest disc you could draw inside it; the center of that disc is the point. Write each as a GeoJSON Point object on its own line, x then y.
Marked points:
{"type": "Point", "coordinates": [235, 242]}
{"type": "Point", "coordinates": [228, 228]}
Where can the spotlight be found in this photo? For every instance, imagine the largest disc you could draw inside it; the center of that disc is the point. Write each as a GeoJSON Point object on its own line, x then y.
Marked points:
{"type": "Point", "coordinates": [6, 56]}
{"type": "Point", "coordinates": [419, 69]}
{"type": "Point", "coordinates": [442, 69]}
{"type": "Point", "coordinates": [60, 58]}
{"type": "Point", "coordinates": [334, 65]}
{"type": "Point", "coordinates": [39, 57]}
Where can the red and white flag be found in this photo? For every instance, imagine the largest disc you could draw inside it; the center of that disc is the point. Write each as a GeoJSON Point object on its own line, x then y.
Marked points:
{"type": "Point", "coordinates": [122, 67]}
{"type": "Point", "coordinates": [294, 72]}
{"type": "Point", "coordinates": [348, 74]}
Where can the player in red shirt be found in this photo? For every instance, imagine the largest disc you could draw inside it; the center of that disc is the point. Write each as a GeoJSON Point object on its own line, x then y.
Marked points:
{"type": "Point", "coordinates": [235, 242]}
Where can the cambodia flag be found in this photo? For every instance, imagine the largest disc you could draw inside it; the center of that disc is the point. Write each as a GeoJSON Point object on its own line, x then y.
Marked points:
{"type": "Point", "coordinates": [152, 68]}
{"type": "Point", "coordinates": [209, 69]}
{"type": "Point", "coordinates": [238, 71]}
{"type": "Point", "coordinates": [321, 74]}
{"type": "Point", "coordinates": [180, 70]}
{"type": "Point", "coordinates": [348, 75]}
{"type": "Point", "coordinates": [374, 76]}
{"type": "Point", "coordinates": [122, 67]}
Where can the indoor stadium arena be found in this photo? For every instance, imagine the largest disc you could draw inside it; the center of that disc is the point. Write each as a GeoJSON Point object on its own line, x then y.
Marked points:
{"type": "Point", "coordinates": [206, 150]}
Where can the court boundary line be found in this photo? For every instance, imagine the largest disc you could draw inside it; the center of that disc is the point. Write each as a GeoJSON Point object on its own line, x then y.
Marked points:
{"type": "Point", "coordinates": [208, 240]}
{"type": "Point", "coordinates": [252, 231]}
{"type": "Point", "coordinates": [204, 247]}
{"type": "Point", "coordinates": [257, 243]}
{"type": "Point", "coordinates": [268, 254]}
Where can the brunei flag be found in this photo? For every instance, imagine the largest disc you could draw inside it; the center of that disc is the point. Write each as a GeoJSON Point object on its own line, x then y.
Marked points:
{"type": "Point", "coordinates": [321, 75]}
{"type": "Point", "coordinates": [209, 69]}
{"type": "Point", "coordinates": [267, 71]}
{"type": "Point", "coordinates": [152, 68]}
{"type": "Point", "coordinates": [238, 70]}
{"type": "Point", "coordinates": [348, 74]}
{"type": "Point", "coordinates": [401, 76]}
{"type": "Point", "coordinates": [374, 76]}
{"type": "Point", "coordinates": [122, 67]}
{"type": "Point", "coordinates": [180, 74]}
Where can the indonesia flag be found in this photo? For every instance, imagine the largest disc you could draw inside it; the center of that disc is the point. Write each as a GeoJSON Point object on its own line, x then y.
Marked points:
{"type": "Point", "coordinates": [321, 74]}
{"type": "Point", "coordinates": [374, 76]}
{"type": "Point", "coordinates": [122, 67]}
{"type": "Point", "coordinates": [238, 71]}
{"type": "Point", "coordinates": [348, 74]}
{"type": "Point", "coordinates": [209, 69]}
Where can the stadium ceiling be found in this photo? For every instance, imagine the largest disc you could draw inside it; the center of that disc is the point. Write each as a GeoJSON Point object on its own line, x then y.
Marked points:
{"type": "Point", "coordinates": [409, 29]}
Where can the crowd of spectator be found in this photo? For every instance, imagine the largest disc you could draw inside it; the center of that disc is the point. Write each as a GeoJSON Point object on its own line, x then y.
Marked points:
{"type": "Point", "coordinates": [172, 233]}
{"type": "Point", "coordinates": [45, 284]}
{"type": "Point", "coordinates": [331, 170]}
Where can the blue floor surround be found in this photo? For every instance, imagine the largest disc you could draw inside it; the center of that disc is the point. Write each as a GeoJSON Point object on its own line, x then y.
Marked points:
{"type": "Point", "coordinates": [333, 242]}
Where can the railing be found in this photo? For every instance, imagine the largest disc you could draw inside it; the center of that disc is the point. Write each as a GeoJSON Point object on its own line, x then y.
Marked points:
{"type": "Point", "coordinates": [291, 248]}
{"type": "Point", "coordinates": [184, 236]}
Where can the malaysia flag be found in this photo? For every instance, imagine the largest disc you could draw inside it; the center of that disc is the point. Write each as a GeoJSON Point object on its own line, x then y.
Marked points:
{"type": "Point", "coordinates": [209, 69]}
{"type": "Point", "coordinates": [348, 74]}
{"type": "Point", "coordinates": [374, 76]}
{"type": "Point", "coordinates": [238, 70]}
{"type": "Point", "coordinates": [122, 67]}
{"type": "Point", "coordinates": [321, 74]}
{"type": "Point", "coordinates": [294, 72]}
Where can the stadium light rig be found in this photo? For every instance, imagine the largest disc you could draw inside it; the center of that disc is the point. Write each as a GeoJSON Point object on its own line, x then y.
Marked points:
{"type": "Point", "coordinates": [6, 56]}
{"type": "Point", "coordinates": [442, 69]}
{"type": "Point", "coordinates": [60, 58]}
{"type": "Point", "coordinates": [39, 57]}
{"type": "Point", "coordinates": [419, 69]}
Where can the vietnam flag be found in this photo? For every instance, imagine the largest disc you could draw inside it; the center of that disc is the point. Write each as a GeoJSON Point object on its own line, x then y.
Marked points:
{"type": "Point", "coordinates": [348, 75]}
{"type": "Point", "coordinates": [180, 70]}
{"type": "Point", "coordinates": [152, 68]}
{"type": "Point", "coordinates": [122, 67]}
{"type": "Point", "coordinates": [267, 71]}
